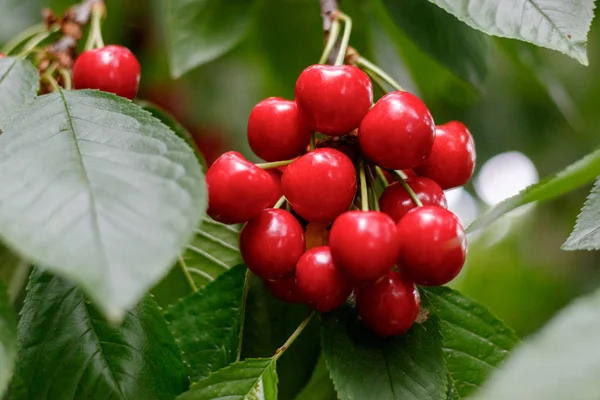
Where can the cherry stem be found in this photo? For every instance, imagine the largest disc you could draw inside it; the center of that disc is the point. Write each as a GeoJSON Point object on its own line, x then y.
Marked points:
{"type": "Point", "coordinates": [364, 195]}
{"type": "Point", "coordinates": [50, 79]}
{"type": "Point", "coordinates": [313, 141]}
{"type": "Point", "coordinates": [94, 39]}
{"type": "Point", "coordinates": [369, 66]}
{"type": "Point", "coordinates": [275, 164]}
{"type": "Point", "coordinates": [381, 176]}
{"type": "Point", "coordinates": [372, 190]}
{"type": "Point", "coordinates": [23, 36]}
{"type": "Point", "coordinates": [280, 202]}
{"type": "Point", "coordinates": [293, 336]}
{"type": "Point", "coordinates": [402, 177]}
{"type": "Point", "coordinates": [67, 80]}
{"type": "Point", "coordinates": [32, 43]}
{"type": "Point", "coordinates": [345, 38]}
{"type": "Point", "coordinates": [332, 37]}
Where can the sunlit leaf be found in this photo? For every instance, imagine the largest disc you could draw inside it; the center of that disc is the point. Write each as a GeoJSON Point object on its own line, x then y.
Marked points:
{"type": "Point", "coordinates": [19, 82]}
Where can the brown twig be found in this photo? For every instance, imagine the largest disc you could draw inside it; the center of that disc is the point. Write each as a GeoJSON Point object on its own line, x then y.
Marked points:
{"type": "Point", "coordinates": [328, 8]}
{"type": "Point", "coordinates": [74, 19]}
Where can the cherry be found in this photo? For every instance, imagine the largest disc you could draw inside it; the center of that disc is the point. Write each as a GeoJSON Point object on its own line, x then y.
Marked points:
{"type": "Point", "coordinates": [285, 289]}
{"type": "Point", "coordinates": [237, 189]}
{"type": "Point", "coordinates": [334, 99]}
{"type": "Point", "coordinates": [2, 55]}
{"type": "Point", "coordinates": [271, 244]}
{"type": "Point", "coordinates": [316, 234]}
{"type": "Point", "coordinates": [319, 280]}
{"type": "Point", "coordinates": [364, 245]}
{"type": "Point", "coordinates": [452, 159]}
{"type": "Point", "coordinates": [320, 185]}
{"type": "Point", "coordinates": [388, 306]}
{"type": "Point", "coordinates": [275, 174]}
{"type": "Point", "coordinates": [276, 130]}
{"type": "Point", "coordinates": [433, 246]}
{"type": "Point", "coordinates": [398, 132]}
{"type": "Point", "coordinates": [396, 202]}
{"type": "Point", "coordinates": [111, 69]}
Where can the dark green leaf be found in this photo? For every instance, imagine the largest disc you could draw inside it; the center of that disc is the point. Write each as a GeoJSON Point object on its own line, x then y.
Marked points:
{"type": "Point", "coordinates": [8, 340]}
{"type": "Point", "coordinates": [572, 177]}
{"type": "Point", "coordinates": [586, 234]}
{"type": "Point", "coordinates": [251, 379]}
{"type": "Point", "coordinates": [474, 341]}
{"type": "Point", "coordinates": [116, 194]}
{"type": "Point", "coordinates": [557, 25]}
{"type": "Point", "coordinates": [206, 325]}
{"type": "Point", "coordinates": [320, 386]}
{"type": "Point", "coordinates": [362, 366]}
{"type": "Point", "coordinates": [19, 82]}
{"type": "Point", "coordinates": [462, 50]}
{"type": "Point", "coordinates": [67, 351]}
{"type": "Point", "coordinates": [560, 362]}
{"type": "Point", "coordinates": [201, 30]}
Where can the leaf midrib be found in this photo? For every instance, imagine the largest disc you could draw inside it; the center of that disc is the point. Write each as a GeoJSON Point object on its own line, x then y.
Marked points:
{"type": "Point", "coordinates": [551, 22]}
{"type": "Point", "coordinates": [3, 77]}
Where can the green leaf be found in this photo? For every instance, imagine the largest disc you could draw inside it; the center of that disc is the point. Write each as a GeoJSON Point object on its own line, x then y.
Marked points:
{"type": "Point", "coordinates": [251, 379]}
{"type": "Point", "coordinates": [99, 191]}
{"type": "Point", "coordinates": [474, 341]}
{"type": "Point", "coordinates": [562, 361]}
{"type": "Point", "coordinates": [586, 234]}
{"type": "Point", "coordinates": [206, 325]}
{"type": "Point", "coordinates": [19, 83]}
{"type": "Point", "coordinates": [557, 25]}
{"type": "Point", "coordinates": [199, 31]}
{"type": "Point", "coordinates": [8, 339]}
{"type": "Point", "coordinates": [362, 366]}
{"type": "Point", "coordinates": [67, 350]}
{"type": "Point", "coordinates": [571, 178]}
{"type": "Point", "coordinates": [320, 386]}
{"type": "Point", "coordinates": [462, 50]}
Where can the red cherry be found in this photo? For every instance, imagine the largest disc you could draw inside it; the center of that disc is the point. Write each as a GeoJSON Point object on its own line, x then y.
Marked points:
{"type": "Point", "coordinates": [272, 243]}
{"type": "Point", "coordinates": [111, 69]}
{"type": "Point", "coordinates": [452, 159]}
{"type": "Point", "coordinates": [2, 55]}
{"type": "Point", "coordinates": [398, 132]}
{"type": "Point", "coordinates": [334, 99]}
{"type": "Point", "coordinates": [237, 189]}
{"type": "Point", "coordinates": [364, 245]}
{"type": "Point", "coordinates": [275, 174]}
{"type": "Point", "coordinates": [320, 185]}
{"type": "Point", "coordinates": [388, 306]}
{"type": "Point", "coordinates": [319, 280]}
{"type": "Point", "coordinates": [276, 130]}
{"type": "Point", "coordinates": [433, 246]}
{"type": "Point", "coordinates": [396, 202]}
{"type": "Point", "coordinates": [285, 289]}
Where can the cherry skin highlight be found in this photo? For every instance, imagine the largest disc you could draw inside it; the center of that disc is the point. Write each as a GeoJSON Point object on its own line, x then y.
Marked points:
{"type": "Point", "coordinates": [276, 130]}
{"type": "Point", "coordinates": [398, 132]}
{"type": "Point", "coordinates": [388, 306]}
{"type": "Point", "coordinates": [237, 189]}
{"type": "Point", "coordinates": [452, 159]}
{"type": "Point", "coordinates": [320, 185]}
{"type": "Point", "coordinates": [285, 289]}
{"type": "Point", "coordinates": [433, 246]}
{"type": "Point", "coordinates": [112, 69]}
{"type": "Point", "coordinates": [364, 245]}
{"type": "Point", "coordinates": [334, 99]}
{"type": "Point", "coordinates": [319, 280]}
{"type": "Point", "coordinates": [396, 202]}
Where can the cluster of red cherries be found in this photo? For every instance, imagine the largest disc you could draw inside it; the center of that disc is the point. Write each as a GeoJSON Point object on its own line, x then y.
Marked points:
{"type": "Point", "coordinates": [338, 233]}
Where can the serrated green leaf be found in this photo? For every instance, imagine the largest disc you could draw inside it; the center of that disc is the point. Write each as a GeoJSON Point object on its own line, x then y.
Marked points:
{"type": "Point", "coordinates": [474, 341]}
{"type": "Point", "coordinates": [251, 379]}
{"type": "Point", "coordinates": [8, 340]}
{"type": "Point", "coordinates": [19, 83]}
{"type": "Point", "coordinates": [68, 351]}
{"type": "Point", "coordinates": [363, 366]}
{"type": "Point", "coordinates": [206, 325]}
{"type": "Point", "coordinates": [557, 25]}
{"type": "Point", "coordinates": [116, 194]}
{"type": "Point", "coordinates": [572, 177]}
{"type": "Point", "coordinates": [560, 362]}
{"type": "Point", "coordinates": [198, 31]}
{"type": "Point", "coordinates": [586, 234]}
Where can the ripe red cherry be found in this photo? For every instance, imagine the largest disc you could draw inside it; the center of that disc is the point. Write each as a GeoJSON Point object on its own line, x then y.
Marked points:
{"type": "Point", "coordinates": [396, 202]}
{"type": "Point", "coordinates": [237, 189]}
{"type": "Point", "coordinates": [364, 245]}
{"type": "Point", "coordinates": [111, 69]}
{"type": "Point", "coordinates": [276, 130]}
{"type": "Point", "coordinates": [2, 55]}
{"type": "Point", "coordinates": [275, 174]}
{"type": "Point", "coordinates": [452, 159]}
{"type": "Point", "coordinates": [285, 289]}
{"type": "Point", "coordinates": [320, 185]}
{"type": "Point", "coordinates": [334, 99]}
{"type": "Point", "coordinates": [433, 246]}
{"type": "Point", "coordinates": [319, 280]}
{"type": "Point", "coordinates": [398, 132]}
{"type": "Point", "coordinates": [271, 244]}
{"type": "Point", "coordinates": [388, 306]}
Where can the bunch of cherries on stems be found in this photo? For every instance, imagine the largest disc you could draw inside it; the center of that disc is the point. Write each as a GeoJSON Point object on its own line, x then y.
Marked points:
{"type": "Point", "coordinates": [345, 228]}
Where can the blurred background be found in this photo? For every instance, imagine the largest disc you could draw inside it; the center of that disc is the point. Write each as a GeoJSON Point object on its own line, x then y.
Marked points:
{"type": "Point", "coordinates": [531, 111]}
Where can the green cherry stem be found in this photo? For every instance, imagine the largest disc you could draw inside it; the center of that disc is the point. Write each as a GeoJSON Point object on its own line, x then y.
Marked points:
{"type": "Point", "coordinates": [402, 179]}
{"type": "Point", "coordinates": [332, 38]}
{"type": "Point", "coordinates": [293, 336]}
{"type": "Point", "coordinates": [275, 164]}
{"type": "Point", "coordinates": [32, 43]}
{"type": "Point", "coordinates": [369, 66]}
{"type": "Point", "coordinates": [339, 60]}
{"type": "Point", "coordinates": [23, 36]}
{"type": "Point", "coordinates": [280, 202]}
{"type": "Point", "coordinates": [372, 190]}
{"type": "Point", "coordinates": [364, 195]}
{"type": "Point", "coordinates": [67, 80]}
{"type": "Point", "coordinates": [313, 141]}
{"type": "Point", "coordinates": [94, 39]}
{"type": "Point", "coordinates": [381, 176]}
